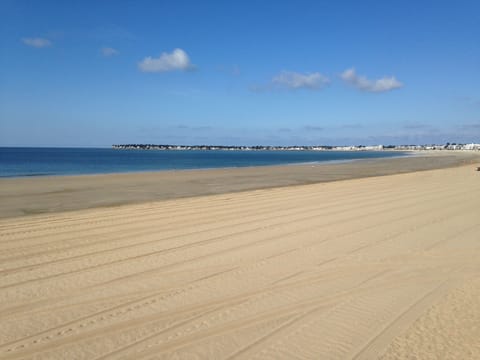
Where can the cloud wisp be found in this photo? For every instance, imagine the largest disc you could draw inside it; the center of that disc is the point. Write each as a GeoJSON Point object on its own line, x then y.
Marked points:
{"type": "Point", "coordinates": [311, 128]}
{"type": "Point", "coordinates": [176, 60]}
{"type": "Point", "coordinates": [416, 126]}
{"type": "Point", "coordinates": [291, 80]}
{"type": "Point", "coordinates": [294, 80]}
{"type": "Point", "coordinates": [109, 51]}
{"type": "Point", "coordinates": [37, 42]}
{"type": "Point", "coordinates": [376, 86]}
{"type": "Point", "coordinates": [471, 127]}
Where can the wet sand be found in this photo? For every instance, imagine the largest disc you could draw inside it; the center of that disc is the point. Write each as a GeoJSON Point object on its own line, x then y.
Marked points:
{"type": "Point", "coordinates": [26, 196]}
{"type": "Point", "coordinates": [378, 267]}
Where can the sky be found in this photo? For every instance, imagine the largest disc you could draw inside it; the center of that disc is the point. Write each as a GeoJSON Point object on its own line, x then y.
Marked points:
{"type": "Point", "coordinates": [96, 73]}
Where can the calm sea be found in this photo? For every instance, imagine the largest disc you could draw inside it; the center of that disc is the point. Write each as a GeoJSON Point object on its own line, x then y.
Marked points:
{"type": "Point", "coordinates": [16, 162]}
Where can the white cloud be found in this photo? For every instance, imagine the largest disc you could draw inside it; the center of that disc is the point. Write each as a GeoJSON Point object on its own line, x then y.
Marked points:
{"type": "Point", "coordinates": [37, 42]}
{"type": "Point", "coordinates": [176, 60]}
{"type": "Point", "coordinates": [362, 83]}
{"type": "Point", "coordinates": [294, 80]}
{"type": "Point", "coordinates": [108, 51]}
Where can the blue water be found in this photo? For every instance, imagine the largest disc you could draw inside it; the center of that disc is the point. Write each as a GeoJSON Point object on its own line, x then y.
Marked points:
{"type": "Point", "coordinates": [16, 162]}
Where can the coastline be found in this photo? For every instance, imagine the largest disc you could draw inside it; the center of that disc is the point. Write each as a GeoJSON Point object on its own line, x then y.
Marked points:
{"type": "Point", "coordinates": [50, 194]}
{"type": "Point", "coordinates": [96, 161]}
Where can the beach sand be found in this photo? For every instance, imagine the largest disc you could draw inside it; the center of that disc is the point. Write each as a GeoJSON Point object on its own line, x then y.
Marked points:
{"type": "Point", "coordinates": [378, 267]}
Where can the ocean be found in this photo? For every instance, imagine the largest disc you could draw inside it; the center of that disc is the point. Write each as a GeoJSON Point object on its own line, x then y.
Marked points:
{"type": "Point", "coordinates": [19, 162]}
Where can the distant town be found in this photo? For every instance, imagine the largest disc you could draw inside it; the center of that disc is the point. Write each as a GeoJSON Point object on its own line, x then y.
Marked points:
{"type": "Point", "coordinates": [447, 146]}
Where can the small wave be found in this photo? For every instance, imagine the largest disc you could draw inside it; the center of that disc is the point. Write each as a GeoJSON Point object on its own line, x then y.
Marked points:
{"type": "Point", "coordinates": [25, 175]}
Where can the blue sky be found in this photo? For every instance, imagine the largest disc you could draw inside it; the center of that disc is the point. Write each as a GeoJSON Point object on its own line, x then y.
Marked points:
{"type": "Point", "coordinates": [94, 73]}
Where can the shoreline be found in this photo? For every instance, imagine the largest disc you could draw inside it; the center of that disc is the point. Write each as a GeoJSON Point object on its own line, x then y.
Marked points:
{"type": "Point", "coordinates": [50, 194]}
{"type": "Point", "coordinates": [391, 154]}
{"type": "Point", "coordinates": [139, 172]}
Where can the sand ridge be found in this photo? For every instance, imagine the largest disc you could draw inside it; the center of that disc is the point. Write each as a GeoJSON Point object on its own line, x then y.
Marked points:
{"type": "Point", "coordinates": [356, 269]}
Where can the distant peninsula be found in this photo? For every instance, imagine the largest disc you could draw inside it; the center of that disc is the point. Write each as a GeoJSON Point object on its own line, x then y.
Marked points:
{"type": "Point", "coordinates": [447, 146]}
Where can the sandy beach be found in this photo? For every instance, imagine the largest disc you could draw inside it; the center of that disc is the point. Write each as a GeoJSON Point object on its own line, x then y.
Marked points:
{"type": "Point", "coordinates": [378, 267]}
